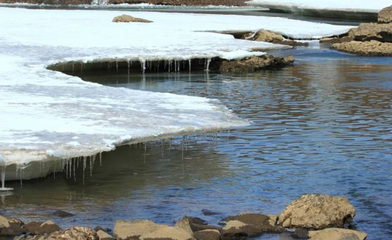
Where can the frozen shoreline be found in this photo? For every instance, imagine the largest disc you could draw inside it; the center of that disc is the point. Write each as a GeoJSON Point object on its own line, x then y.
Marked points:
{"type": "Point", "coordinates": [49, 117]}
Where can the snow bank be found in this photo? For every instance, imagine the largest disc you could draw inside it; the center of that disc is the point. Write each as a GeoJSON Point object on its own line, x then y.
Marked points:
{"type": "Point", "coordinates": [358, 6]}
{"type": "Point", "coordinates": [48, 117]}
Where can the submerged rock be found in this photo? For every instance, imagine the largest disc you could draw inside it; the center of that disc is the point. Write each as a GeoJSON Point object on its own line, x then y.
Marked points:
{"type": "Point", "coordinates": [337, 234]}
{"type": "Point", "coordinates": [126, 19]}
{"type": "Point", "coordinates": [62, 214]}
{"type": "Point", "coordinates": [316, 211]}
{"type": "Point", "coordinates": [273, 37]}
{"type": "Point", "coordinates": [371, 48]}
{"type": "Point", "coordinates": [385, 15]}
{"type": "Point", "coordinates": [264, 223]}
{"type": "Point", "coordinates": [372, 31]}
{"type": "Point", "coordinates": [254, 64]}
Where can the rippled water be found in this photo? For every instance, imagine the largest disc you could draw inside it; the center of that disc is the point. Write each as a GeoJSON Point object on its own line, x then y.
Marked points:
{"type": "Point", "coordinates": [321, 126]}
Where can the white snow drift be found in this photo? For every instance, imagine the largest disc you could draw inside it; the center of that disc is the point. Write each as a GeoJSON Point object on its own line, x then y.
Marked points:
{"type": "Point", "coordinates": [359, 6]}
{"type": "Point", "coordinates": [47, 117]}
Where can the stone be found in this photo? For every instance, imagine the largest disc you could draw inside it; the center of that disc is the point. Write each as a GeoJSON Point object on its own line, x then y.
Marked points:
{"type": "Point", "coordinates": [74, 233]}
{"type": "Point", "coordinates": [62, 214]}
{"type": "Point", "coordinates": [315, 211]}
{"type": "Point", "coordinates": [4, 222]}
{"type": "Point", "coordinates": [39, 228]}
{"type": "Point", "coordinates": [133, 229]}
{"type": "Point", "coordinates": [102, 235]}
{"type": "Point", "coordinates": [300, 233]}
{"type": "Point", "coordinates": [185, 224]}
{"type": "Point", "coordinates": [372, 31]}
{"type": "Point", "coordinates": [273, 37]}
{"type": "Point", "coordinates": [337, 234]}
{"type": "Point", "coordinates": [127, 19]}
{"type": "Point", "coordinates": [168, 233]}
{"type": "Point", "coordinates": [32, 227]}
{"type": "Point", "coordinates": [372, 48]}
{"type": "Point", "coordinates": [332, 40]}
{"type": "Point", "coordinates": [209, 234]}
{"type": "Point", "coordinates": [108, 230]}
{"type": "Point", "coordinates": [254, 64]}
{"type": "Point", "coordinates": [207, 212]}
{"type": "Point", "coordinates": [195, 224]}
{"type": "Point", "coordinates": [235, 229]}
{"type": "Point", "coordinates": [15, 228]}
{"type": "Point", "coordinates": [385, 15]}
{"type": "Point", "coordinates": [263, 223]}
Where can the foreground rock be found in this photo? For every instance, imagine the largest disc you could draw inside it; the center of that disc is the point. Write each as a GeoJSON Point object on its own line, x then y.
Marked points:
{"type": "Point", "coordinates": [127, 19]}
{"type": "Point", "coordinates": [145, 229]}
{"type": "Point", "coordinates": [337, 234]}
{"type": "Point", "coordinates": [254, 64]}
{"type": "Point", "coordinates": [192, 224]}
{"type": "Point", "coordinates": [385, 15]}
{"type": "Point", "coordinates": [74, 233]}
{"type": "Point", "coordinates": [264, 223]}
{"type": "Point", "coordinates": [209, 234]}
{"type": "Point", "coordinates": [40, 228]}
{"type": "Point", "coordinates": [372, 31]}
{"type": "Point", "coordinates": [372, 48]}
{"type": "Point", "coordinates": [317, 212]}
{"type": "Point", "coordinates": [273, 37]}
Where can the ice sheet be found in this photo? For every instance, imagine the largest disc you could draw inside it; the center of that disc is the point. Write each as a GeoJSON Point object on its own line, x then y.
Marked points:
{"type": "Point", "coordinates": [47, 115]}
{"type": "Point", "coordinates": [335, 5]}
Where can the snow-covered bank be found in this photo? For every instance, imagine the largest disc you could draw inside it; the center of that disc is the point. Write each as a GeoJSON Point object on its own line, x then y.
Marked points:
{"type": "Point", "coordinates": [47, 115]}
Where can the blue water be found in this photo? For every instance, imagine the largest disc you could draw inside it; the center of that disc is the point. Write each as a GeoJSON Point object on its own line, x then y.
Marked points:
{"type": "Point", "coordinates": [321, 126]}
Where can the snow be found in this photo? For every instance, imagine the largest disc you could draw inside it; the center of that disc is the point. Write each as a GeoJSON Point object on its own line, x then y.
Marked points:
{"type": "Point", "coordinates": [365, 6]}
{"type": "Point", "coordinates": [48, 117]}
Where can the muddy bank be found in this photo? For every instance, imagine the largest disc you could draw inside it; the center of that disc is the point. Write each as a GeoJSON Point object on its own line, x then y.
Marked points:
{"type": "Point", "coordinates": [312, 216]}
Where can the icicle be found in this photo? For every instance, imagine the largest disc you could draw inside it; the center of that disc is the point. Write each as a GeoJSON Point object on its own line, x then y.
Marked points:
{"type": "Point", "coordinates": [81, 67]}
{"type": "Point", "coordinates": [116, 65]}
{"type": "Point", "coordinates": [100, 159]}
{"type": "Point", "coordinates": [208, 64]}
{"type": "Point", "coordinates": [73, 67]}
{"type": "Point", "coordinates": [143, 64]}
{"type": "Point", "coordinates": [190, 65]}
{"type": "Point", "coordinates": [129, 67]}
{"type": "Point", "coordinates": [84, 167]}
{"type": "Point", "coordinates": [74, 169]}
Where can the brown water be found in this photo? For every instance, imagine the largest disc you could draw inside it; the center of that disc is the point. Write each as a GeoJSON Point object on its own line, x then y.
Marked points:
{"type": "Point", "coordinates": [321, 126]}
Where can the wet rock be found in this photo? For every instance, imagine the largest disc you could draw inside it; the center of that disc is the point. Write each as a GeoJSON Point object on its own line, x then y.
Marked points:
{"type": "Point", "coordinates": [15, 228]}
{"type": "Point", "coordinates": [235, 229]}
{"type": "Point", "coordinates": [332, 40]}
{"type": "Point", "coordinates": [108, 230]}
{"type": "Point", "coordinates": [209, 234]}
{"type": "Point", "coordinates": [134, 229]}
{"type": "Point", "coordinates": [40, 228]}
{"type": "Point", "coordinates": [127, 19]}
{"type": "Point", "coordinates": [385, 15]}
{"type": "Point", "coordinates": [273, 37]}
{"type": "Point", "coordinates": [300, 233]}
{"type": "Point", "coordinates": [62, 214]}
{"type": "Point", "coordinates": [4, 222]}
{"type": "Point", "coordinates": [254, 64]}
{"type": "Point", "coordinates": [168, 233]}
{"type": "Point", "coordinates": [337, 234]}
{"type": "Point", "coordinates": [195, 224]}
{"type": "Point", "coordinates": [372, 31]}
{"type": "Point", "coordinates": [317, 212]}
{"type": "Point", "coordinates": [102, 235]}
{"type": "Point", "coordinates": [207, 212]}
{"type": "Point", "coordinates": [264, 223]}
{"type": "Point", "coordinates": [371, 48]}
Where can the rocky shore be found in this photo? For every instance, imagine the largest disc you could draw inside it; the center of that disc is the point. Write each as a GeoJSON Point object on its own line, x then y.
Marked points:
{"type": "Point", "coordinates": [369, 39]}
{"type": "Point", "coordinates": [312, 216]}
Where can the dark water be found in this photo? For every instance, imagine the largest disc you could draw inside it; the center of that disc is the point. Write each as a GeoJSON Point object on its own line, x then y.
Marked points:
{"type": "Point", "coordinates": [321, 126]}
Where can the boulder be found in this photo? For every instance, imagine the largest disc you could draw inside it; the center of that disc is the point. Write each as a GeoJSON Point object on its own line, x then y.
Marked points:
{"type": "Point", "coordinates": [134, 229]}
{"type": "Point", "coordinates": [337, 234]}
{"type": "Point", "coordinates": [315, 211]}
{"type": "Point", "coordinates": [254, 64]}
{"type": "Point", "coordinates": [127, 19]}
{"type": "Point", "coordinates": [385, 15]}
{"type": "Point", "coordinates": [39, 228]}
{"type": "Point", "coordinates": [235, 229]}
{"type": "Point", "coordinates": [273, 37]}
{"type": "Point", "coordinates": [168, 233]}
{"type": "Point", "coordinates": [372, 31]}
{"type": "Point", "coordinates": [15, 228]}
{"type": "Point", "coordinates": [4, 222]}
{"type": "Point", "coordinates": [372, 48]}
{"type": "Point", "coordinates": [102, 235]}
{"type": "Point", "coordinates": [194, 224]}
{"type": "Point", "coordinates": [75, 233]}
{"type": "Point", "coordinates": [263, 223]}
{"type": "Point", "coordinates": [209, 234]}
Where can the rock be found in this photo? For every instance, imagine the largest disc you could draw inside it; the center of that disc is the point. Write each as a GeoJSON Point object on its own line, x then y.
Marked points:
{"type": "Point", "coordinates": [317, 212]}
{"type": "Point", "coordinates": [62, 214]}
{"type": "Point", "coordinates": [108, 230]}
{"type": "Point", "coordinates": [15, 228]}
{"type": "Point", "coordinates": [372, 48]}
{"type": "Point", "coordinates": [337, 234]}
{"type": "Point", "coordinates": [185, 224]}
{"type": "Point", "coordinates": [39, 228]}
{"type": "Point", "coordinates": [235, 229]}
{"type": "Point", "coordinates": [332, 40]}
{"type": "Point", "coordinates": [372, 31]}
{"type": "Point", "coordinates": [4, 222]}
{"type": "Point", "coordinates": [273, 37]}
{"type": "Point", "coordinates": [75, 233]}
{"type": "Point", "coordinates": [209, 234]}
{"type": "Point", "coordinates": [207, 212]}
{"type": "Point", "coordinates": [254, 64]}
{"type": "Point", "coordinates": [126, 19]}
{"type": "Point", "coordinates": [262, 222]}
{"type": "Point", "coordinates": [134, 229]}
{"type": "Point", "coordinates": [195, 224]}
{"type": "Point", "coordinates": [385, 15]}
{"type": "Point", "coordinates": [104, 235]}
{"type": "Point", "coordinates": [168, 233]}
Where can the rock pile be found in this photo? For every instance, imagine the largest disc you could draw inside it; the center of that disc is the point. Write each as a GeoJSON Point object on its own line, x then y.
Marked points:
{"type": "Point", "coordinates": [370, 39]}
{"type": "Point", "coordinates": [312, 216]}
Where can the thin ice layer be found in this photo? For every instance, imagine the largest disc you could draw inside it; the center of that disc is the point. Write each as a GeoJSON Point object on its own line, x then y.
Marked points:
{"type": "Point", "coordinates": [359, 6]}
{"type": "Point", "coordinates": [47, 115]}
